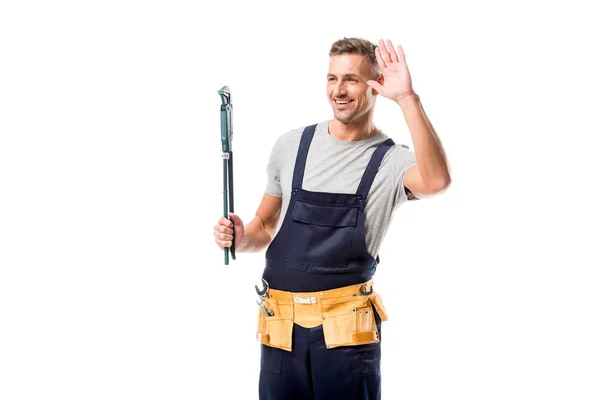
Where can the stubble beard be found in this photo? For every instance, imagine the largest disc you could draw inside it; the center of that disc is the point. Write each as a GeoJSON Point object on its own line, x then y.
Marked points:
{"type": "Point", "coordinates": [349, 116]}
{"type": "Point", "coordinates": [346, 116]}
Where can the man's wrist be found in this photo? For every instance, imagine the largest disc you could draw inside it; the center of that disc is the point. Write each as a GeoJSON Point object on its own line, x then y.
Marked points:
{"type": "Point", "coordinates": [407, 99]}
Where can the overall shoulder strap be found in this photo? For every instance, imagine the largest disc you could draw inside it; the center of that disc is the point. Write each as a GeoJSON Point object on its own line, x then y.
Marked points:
{"type": "Point", "coordinates": [372, 168]}
{"type": "Point", "coordinates": [307, 136]}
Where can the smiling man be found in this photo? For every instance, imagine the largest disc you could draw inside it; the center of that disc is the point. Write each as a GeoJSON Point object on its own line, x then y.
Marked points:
{"type": "Point", "coordinates": [346, 84]}
{"type": "Point", "coordinates": [336, 184]}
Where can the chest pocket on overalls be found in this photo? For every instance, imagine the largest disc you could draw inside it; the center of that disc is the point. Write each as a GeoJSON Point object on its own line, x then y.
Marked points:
{"type": "Point", "coordinates": [321, 234]}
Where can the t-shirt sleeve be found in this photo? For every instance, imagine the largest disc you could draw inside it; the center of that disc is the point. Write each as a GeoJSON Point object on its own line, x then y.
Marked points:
{"type": "Point", "coordinates": [274, 171]}
{"type": "Point", "coordinates": [405, 158]}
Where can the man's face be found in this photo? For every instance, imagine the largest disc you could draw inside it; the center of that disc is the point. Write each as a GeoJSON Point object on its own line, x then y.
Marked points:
{"type": "Point", "coordinates": [347, 90]}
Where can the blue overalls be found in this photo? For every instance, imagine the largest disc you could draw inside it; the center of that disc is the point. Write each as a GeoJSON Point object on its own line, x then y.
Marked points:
{"type": "Point", "coordinates": [320, 246]}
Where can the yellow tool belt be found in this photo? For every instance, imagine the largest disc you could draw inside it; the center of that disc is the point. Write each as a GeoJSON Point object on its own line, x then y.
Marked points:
{"type": "Point", "coordinates": [346, 315]}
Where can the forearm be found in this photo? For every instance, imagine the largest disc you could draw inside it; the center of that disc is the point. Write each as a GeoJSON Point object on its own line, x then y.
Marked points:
{"type": "Point", "coordinates": [255, 238]}
{"type": "Point", "coordinates": [429, 151]}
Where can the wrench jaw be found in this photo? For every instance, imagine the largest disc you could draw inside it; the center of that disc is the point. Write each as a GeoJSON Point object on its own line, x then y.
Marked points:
{"type": "Point", "coordinates": [363, 293]}
{"type": "Point", "coordinates": [264, 292]}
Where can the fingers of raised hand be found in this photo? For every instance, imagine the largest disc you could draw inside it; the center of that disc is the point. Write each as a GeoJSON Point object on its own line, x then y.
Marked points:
{"type": "Point", "coordinates": [388, 53]}
{"type": "Point", "coordinates": [380, 61]}
{"type": "Point", "coordinates": [391, 50]}
{"type": "Point", "coordinates": [375, 85]}
{"type": "Point", "coordinates": [385, 54]}
{"type": "Point", "coordinates": [400, 52]}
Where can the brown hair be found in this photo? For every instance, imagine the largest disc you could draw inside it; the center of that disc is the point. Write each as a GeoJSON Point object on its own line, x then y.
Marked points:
{"type": "Point", "coordinates": [356, 46]}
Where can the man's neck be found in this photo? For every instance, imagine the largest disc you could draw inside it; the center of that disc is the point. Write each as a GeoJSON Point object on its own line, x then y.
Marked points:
{"type": "Point", "coordinates": [353, 131]}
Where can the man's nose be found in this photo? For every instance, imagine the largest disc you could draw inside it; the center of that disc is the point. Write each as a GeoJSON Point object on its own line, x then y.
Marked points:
{"type": "Point", "coordinates": [340, 88]}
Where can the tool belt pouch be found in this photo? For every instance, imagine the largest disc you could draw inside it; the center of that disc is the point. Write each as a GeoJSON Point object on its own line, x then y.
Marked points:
{"type": "Point", "coordinates": [276, 331]}
{"type": "Point", "coordinates": [378, 304]}
{"type": "Point", "coordinates": [350, 321]}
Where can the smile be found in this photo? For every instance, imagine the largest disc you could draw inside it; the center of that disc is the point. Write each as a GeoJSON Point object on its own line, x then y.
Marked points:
{"type": "Point", "coordinates": [343, 102]}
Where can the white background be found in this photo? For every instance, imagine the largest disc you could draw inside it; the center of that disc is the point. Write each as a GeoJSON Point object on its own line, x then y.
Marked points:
{"type": "Point", "coordinates": [111, 286]}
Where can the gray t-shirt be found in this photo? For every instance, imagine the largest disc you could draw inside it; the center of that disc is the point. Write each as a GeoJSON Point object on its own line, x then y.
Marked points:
{"type": "Point", "coordinates": [337, 166]}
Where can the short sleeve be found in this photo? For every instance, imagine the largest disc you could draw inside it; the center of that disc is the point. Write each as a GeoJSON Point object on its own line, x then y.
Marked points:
{"type": "Point", "coordinates": [403, 160]}
{"type": "Point", "coordinates": [274, 172]}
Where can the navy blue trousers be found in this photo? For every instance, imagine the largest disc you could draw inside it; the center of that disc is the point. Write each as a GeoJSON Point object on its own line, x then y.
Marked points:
{"type": "Point", "coordinates": [313, 372]}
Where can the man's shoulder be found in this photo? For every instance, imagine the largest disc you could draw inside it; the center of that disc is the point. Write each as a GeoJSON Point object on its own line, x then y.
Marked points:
{"type": "Point", "coordinates": [294, 134]}
{"type": "Point", "coordinates": [400, 148]}
{"type": "Point", "coordinates": [398, 155]}
{"type": "Point", "coordinates": [299, 130]}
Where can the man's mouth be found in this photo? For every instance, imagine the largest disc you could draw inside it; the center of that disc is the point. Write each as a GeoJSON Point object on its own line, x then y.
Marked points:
{"type": "Point", "coordinates": [342, 102]}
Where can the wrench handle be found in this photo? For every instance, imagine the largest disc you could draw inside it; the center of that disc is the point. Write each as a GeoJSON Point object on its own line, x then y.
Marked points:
{"type": "Point", "coordinates": [225, 204]}
{"type": "Point", "coordinates": [230, 177]}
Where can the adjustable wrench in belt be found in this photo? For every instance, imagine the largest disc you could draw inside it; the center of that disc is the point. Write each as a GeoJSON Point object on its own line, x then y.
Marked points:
{"type": "Point", "coordinates": [263, 307]}
{"type": "Point", "coordinates": [264, 292]}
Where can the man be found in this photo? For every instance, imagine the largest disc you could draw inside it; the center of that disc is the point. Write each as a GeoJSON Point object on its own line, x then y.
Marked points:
{"type": "Point", "coordinates": [337, 183]}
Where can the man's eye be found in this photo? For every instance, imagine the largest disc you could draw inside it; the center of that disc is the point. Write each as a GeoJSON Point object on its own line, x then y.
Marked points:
{"type": "Point", "coordinates": [331, 79]}
{"type": "Point", "coordinates": [352, 80]}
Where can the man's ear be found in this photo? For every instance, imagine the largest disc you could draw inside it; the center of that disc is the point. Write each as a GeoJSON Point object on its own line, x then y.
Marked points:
{"type": "Point", "coordinates": [380, 81]}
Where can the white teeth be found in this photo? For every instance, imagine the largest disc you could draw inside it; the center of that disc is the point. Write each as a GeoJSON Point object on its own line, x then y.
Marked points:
{"type": "Point", "coordinates": [342, 102]}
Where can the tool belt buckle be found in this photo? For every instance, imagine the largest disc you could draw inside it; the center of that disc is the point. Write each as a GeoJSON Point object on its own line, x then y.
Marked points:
{"type": "Point", "coordinates": [305, 300]}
